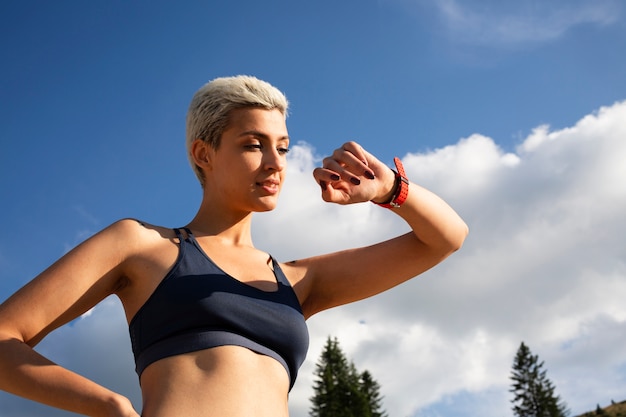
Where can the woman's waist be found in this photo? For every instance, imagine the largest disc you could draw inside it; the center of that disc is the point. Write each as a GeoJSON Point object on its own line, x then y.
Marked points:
{"type": "Point", "coordinates": [225, 380]}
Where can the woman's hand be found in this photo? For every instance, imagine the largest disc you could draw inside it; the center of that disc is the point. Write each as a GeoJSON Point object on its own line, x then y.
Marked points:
{"type": "Point", "coordinates": [353, 175]}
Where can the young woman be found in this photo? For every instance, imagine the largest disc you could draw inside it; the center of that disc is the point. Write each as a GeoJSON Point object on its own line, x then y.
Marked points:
{"type": "Point", "coordinates": [218, 326]}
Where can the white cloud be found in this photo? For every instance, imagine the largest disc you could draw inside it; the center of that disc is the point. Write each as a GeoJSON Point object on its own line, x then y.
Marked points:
{"type": "Point", "coordinates": [494, 23]}
{"type": "Point", "coordinates": [545, 263]}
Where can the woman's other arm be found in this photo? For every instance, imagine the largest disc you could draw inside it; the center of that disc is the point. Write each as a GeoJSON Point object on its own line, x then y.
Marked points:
{"type": "Point", "coordinates": [64, 291]}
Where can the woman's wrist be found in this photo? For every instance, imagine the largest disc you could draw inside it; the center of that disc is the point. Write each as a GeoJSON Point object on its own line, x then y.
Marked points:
{"type": "Point", "coordinates": [118, 406]}
{"type": "Point", "coordinates": [389, 190]}
{"type": "Point", "coordinates": [399, 191]}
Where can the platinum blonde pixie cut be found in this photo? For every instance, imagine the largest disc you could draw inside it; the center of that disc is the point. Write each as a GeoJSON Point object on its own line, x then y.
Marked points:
{"type": "Point", "coordinates": [209, 112]}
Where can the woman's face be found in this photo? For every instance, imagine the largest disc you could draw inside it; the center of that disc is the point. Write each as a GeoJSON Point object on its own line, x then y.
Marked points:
{"type": "Point", "coordinates": [248, 168]}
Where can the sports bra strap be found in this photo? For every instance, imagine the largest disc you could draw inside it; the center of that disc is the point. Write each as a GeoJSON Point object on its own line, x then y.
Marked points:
{"type": "Point", "coordinates": [190, 237]}
{"type": "Point", "coordinates": [179, 235]}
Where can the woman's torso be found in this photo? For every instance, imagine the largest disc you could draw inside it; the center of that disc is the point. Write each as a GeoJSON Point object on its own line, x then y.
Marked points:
{"type": "Point", "coordinates": [226, 380]}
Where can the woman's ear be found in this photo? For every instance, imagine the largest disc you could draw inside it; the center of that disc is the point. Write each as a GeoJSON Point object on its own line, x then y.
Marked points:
{"type": "Point", "coordinates": [202, 153]}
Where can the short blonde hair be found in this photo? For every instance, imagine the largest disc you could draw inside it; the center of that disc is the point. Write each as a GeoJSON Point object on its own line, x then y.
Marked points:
{"type": "Point", "coordinates": [209, 112]}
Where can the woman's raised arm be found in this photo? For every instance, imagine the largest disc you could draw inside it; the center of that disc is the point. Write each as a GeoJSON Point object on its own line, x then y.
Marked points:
{"type": "Point", "coordinates": [353, 175]}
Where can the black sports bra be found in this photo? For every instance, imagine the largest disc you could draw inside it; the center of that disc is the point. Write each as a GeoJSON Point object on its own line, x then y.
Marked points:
{"type": "Point", "coordinates": [198, 306]}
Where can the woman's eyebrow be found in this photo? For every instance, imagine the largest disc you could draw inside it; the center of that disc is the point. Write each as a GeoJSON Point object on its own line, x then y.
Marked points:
{"type": "Point", "coordinates": [260, 135]}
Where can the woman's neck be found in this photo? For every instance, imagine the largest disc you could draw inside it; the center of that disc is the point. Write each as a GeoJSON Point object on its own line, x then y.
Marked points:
{"type": "Point", "coordinates": [231, 227]}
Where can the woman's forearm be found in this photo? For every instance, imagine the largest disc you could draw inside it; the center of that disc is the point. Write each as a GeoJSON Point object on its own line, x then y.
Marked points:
{"type": "Point", "coordinates": [28, 374]}
{"type": "Point", "coordinates": [433, 221]}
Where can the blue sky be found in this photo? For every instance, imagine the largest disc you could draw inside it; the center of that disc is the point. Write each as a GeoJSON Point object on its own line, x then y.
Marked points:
{"type": "Point", "coordinates": [491, 104]}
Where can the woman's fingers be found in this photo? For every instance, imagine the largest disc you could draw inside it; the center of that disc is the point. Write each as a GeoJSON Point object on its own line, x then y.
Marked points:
{"type": "Point", "coordinates": [342, 175]}
{"type": "Point", "coordinates": [349, 162]}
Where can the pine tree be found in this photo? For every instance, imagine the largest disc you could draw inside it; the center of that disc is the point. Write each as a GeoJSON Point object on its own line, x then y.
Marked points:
{"type": "Point", "coordinates": [534, 392]}
{"type": "Point", "coordinates": [340, 391]}
{"type": "Point", "coordinates": [371, 389]}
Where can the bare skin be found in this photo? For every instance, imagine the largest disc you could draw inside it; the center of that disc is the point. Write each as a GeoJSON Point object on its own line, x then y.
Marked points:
{"type": "Point", "coordinates": [129, 259]}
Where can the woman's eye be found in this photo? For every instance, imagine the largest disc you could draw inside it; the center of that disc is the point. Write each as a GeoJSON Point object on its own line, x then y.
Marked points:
{"type": "Point", "coordinates": [258, 146]}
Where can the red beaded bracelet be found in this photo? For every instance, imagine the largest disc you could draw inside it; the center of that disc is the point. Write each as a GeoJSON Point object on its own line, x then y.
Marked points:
{"type": "Point", "coordinates": [401, 188]}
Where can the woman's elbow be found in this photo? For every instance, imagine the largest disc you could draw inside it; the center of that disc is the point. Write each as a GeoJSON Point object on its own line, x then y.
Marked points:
{"type": "Point", "coordinates": [452, 239]}
{"type": "Point", "coordinates": [457, 238]}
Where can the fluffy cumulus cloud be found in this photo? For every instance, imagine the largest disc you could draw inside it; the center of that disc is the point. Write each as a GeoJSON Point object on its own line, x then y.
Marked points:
{"type": "Point", "coordinates": [545, 263]}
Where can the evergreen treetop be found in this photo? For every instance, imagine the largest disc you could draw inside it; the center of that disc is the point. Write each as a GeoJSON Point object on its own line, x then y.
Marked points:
{"type": "Point", "coordinates": [340, 390]}
{"type": "Point", "coordinates": [533, 392]}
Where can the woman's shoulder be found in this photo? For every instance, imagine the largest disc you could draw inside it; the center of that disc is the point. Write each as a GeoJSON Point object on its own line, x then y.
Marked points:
{"type": "Point", "coordinates": [138, 234]}
{"type": "Point", "coordinates": [133, 225]}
